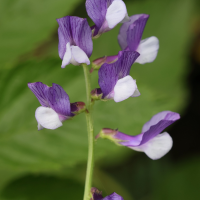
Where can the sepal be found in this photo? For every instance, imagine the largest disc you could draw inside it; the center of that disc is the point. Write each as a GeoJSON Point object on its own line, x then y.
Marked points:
{"type": "Point", "coordinates": [97, 63]}
{"type": "Point", "coordinates": [78, 107]}
{"type": "Point", "coordinates": [107, 133]}
{"type": "Point", "coordinates": [96, 94]}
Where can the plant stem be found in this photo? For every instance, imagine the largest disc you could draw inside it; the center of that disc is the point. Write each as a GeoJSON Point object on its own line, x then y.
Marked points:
{"type": "Point", "coordinates": [90, 162]}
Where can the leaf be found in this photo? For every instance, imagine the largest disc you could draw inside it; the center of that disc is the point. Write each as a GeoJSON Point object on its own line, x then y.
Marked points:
{"type": "Point", "coordinates": [23, 147]}
{"type": "Point", "coordinates": [33, 187]}
{"type": "Point", "coordinates": [24, 24]}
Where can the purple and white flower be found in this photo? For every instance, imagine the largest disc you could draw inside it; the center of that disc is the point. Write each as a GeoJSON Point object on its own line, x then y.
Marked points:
{"type": "Point", "coordinates": [150, 141]}
{"type": "Point", "coordinates": [97, 195]}
{"type": "Point", "coordinates": [75, 40]}
{"type": "Point", "coordinates": [129, 39]}
{"type": "Point", "coordinates": [106, 14]}
{"type": "Point", "coordinates": [55, 105]}
{"type": "Point", "coordinates": [114, 79]}
{"type": "Point", "coordinates": [130, 35]}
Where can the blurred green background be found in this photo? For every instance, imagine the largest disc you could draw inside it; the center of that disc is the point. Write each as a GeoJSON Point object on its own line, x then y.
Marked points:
{"type": "Point", "coordinates": [49, 165]}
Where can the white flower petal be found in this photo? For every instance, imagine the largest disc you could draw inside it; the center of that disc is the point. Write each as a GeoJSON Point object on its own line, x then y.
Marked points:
{"type": "Point", "coordinates": [116, 13]}
{"type": "Point", "coordinates": [157, 147]}
{"type": "Point", "coordinates": [126, 19]}
{"type": "Point", "coordinates": [79, 56]}
{"type": "Point", "coordinates": [148, 50]}
{"type": "Point", "coordinates": [40, 127]}
{"type": "Point", "coordinates": [136, 93]}
{"type": "Point", "coordinates": [67, 56]}
{"type": "Point", "coordinates": [124, 88]}
{"type": "Point", "coordinates": [47, 118]}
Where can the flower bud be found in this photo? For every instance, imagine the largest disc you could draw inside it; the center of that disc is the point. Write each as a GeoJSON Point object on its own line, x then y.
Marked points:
{"type": "Point", "coordinates": [96, 194]}
{"type": "Point", "coordinates": [96, 94]}
{"type": "Point", "coordinates": [78, 107]}
{"type": "Point", "coordinates": [96, 64]}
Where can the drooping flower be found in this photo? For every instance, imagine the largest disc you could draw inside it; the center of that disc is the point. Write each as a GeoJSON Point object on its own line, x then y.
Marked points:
{"type": "Point", "coordinates": [55, 105]}
{"type": "Point", "coordinates": [97, 195]}
{"type": "Point", "coordinates": [150, 141]}
{"type": "Point", "coordinates": [75, 40]}
{"type": "Point", "coordinates": [130, 35]}
{"type": "Point", "coordinates": [114, 79]}
{"type": "Point", "coordinates": [129, 39]}
{"type": "Point", "coordinates": [106, 14]}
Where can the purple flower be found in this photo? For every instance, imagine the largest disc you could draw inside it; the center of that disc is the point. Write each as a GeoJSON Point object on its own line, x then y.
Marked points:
{"type": "Point", "coordinates": [129, 38]}
{"type": "Point", "coordinates": [97, 195]}
{"type": "Point", "coordinates": [130, 35]}
{"type": "Point", "coordinates": [114, 79]}
{"type": "Point", "coordinates": [150, 141]}
{"type": "Point", "coordinates": [75, 40]}
{"type": "Point", "coordinates": [106, 14]}
{"type": "Point", "coordinates": [55, 107]}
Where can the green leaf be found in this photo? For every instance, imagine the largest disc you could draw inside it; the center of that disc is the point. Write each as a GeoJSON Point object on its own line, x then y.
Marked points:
{"type": "Point", "coordinates": [33, 187]}
{"type": "Point", "coordinates": [160, 83]}
{"type": "Point", "coordinates": [25, 24]}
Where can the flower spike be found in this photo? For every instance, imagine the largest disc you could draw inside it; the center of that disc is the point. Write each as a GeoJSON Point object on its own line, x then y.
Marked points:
{"type": "Point", "coordinates": [106, 14]}
{"type": "Point", "coordinates": [55, 107]}
{"type": "Point", "coordinates": [75, 40]}
{"type": "Point", "coordinates": [114, 79]}
{"type": "Point", "coordinates": [150, 141]}
{"type": "Point", "coordinates": [97, 195]}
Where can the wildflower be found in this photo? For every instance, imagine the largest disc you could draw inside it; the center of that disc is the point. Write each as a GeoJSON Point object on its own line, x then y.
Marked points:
{"type": "Point", "coordinates": [75, 40]}
{"type": "Point", "coordinates": [150, 141]}
{"type": "Point", "coordinates": [106, 14]}
{"type": "Point", "coordinates": [114, 79]}
{"type": "Point", "coordinates": [129, 39]}
{"type": "Point", "coordinates": [55, 107]}
{"type": "Point", "coordinates": [130, 35]}
{"type": "Point", "coordinates": [97, 195]}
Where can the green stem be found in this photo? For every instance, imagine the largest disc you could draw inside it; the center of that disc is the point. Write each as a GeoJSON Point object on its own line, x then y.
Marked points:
{"type": "Point", "coordinates": [90, 162]}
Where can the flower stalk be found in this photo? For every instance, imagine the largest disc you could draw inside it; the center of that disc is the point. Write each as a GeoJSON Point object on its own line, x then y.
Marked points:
{"type": "Point", "coordinates": [90, 161]}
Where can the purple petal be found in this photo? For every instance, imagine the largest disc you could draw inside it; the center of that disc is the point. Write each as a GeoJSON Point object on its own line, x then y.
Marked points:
{"type": "Point", "coordinates": [164, 115]}
{"type": "Point", "coordinates": [125, 61]}
{"type": "Point", "coordinates": [113, 196]}
{"type": "Point", "coordinates": [131, 32]}
{"type": "Point", "coordinates": [128, 140]}
{"type": "Point", "coordinates": [135, 31]}
{"type": "Point", "coordinates": [151, 129]}
{"type": "Point", "coordinates": [59, 100]}
{"type": "Point", "coordinates": [40, 90]}
{"type": "Point", "coordinates": [107, 78]}
{"type": "Point", "coordinates": [82, 34]}
{"type": "Point", "coordinates": [96, 10]}
{"type": "Point", "coordinates": [76, 31]}
{"type": "Point", "coordinates": [64, 35]}
{"type": "Point", "coordinates": [110, 73]}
